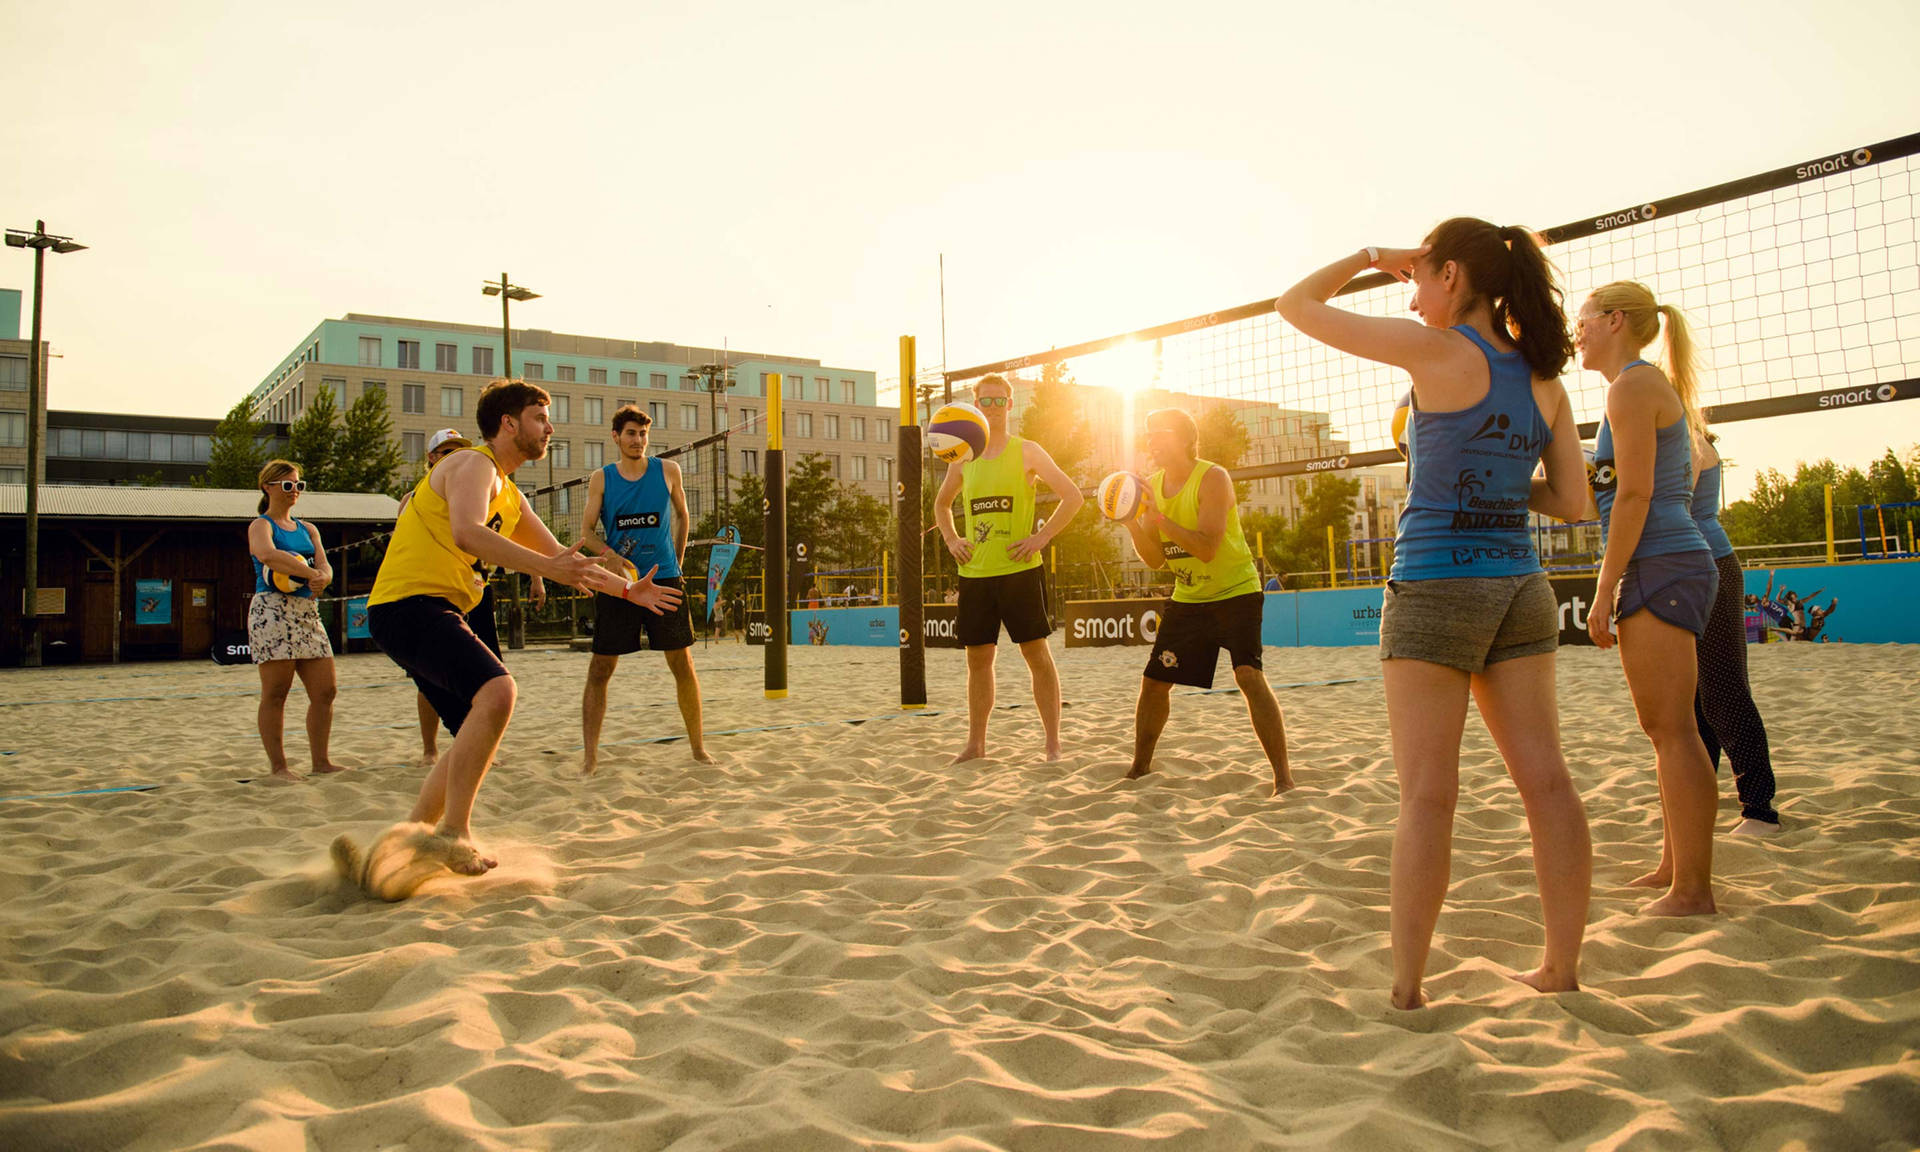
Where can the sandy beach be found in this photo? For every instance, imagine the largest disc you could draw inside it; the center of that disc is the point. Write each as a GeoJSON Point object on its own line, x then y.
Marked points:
{"type": "Point", "coordinates": [831, 940]}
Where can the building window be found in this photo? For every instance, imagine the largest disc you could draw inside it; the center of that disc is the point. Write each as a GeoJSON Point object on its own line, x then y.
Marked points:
{"type": "Point", "coordinates": [413, 399]}
{"type": "Point", "coordinates": [13, 475]}
{"type": "Point", "coordinates": [629, 380]}
{"type": "Point", "coordinates": [803, 424]}
{"type": "Point", "coordinates": [13, 373]}
{"type": "Point", "coordinates": [562, 451]}
{"type": "Point", "coordinates": [690, 463]}
{"type": "Point", "coordinates": [370, 351]}
{"type": "Point", "coordinates": [13, 430]}
{"type": "Point", "coordinates": [561, 410]}
{"type": "Point", "coordinates": [370, 386]}
{"type": "Point", "coordinates": [299, 397]}
{"type": "Point", "coordinates": [452, 403]}
{"type": "Point", "coordinates": [657, 412]}
{"type": "Point", "coordinates": [749, 461]}
{"type": "Point", "coordinates": [409, 354]}
{"type": "Point", "coordinates": [563, 502]}
{"type": "Point", "coordinates": [138, 446]}
{"type": "Point", "coordinates": [596, 375]}
{"type": "Point", "coordinates": [596, 454]}
{"type": "Point", "coordinates": [830, 426]}
{"type": "Point", "coordinates": [563, 372]}
{"type": "Point", "coordinates": [833, 467]}
{"type": "Point", "coordinates": [886, 469]}
{"type": "Point", "coordinates": [748, 417]}
{"type": "Point", "coordinates": [620, 402]}
{"type": "Point", "coordinates": [689, 383]}
{"type": "Point", "coordinates": [657, 380]}
{"type": "Point", "coordinates": [883, 431]}
{"type": "Point", "coordinates": [531, 371]}
{"type": "Point", "coordinates": [856, 427]}
{"type": "Point", "coordinates": [689, 417]}
{"type": "Point", "coordinates": [446, 358]}
{"type": "Point", "coordinates": [413, 445]}
{"type": "Point", "coordinates": [846, 392]}
{"type": "Point", "coordinates": [592, 415]}
{"type": "Point", "coordinates": [720, 420]}
{"type": "Point", "coordinates": [859, 467]}
{"type": "Point", "coordinates": [820, 384]}
{"type": "Point", "coordinates": [792, 386]}
{"type": "Point", "coordinates": [483, 361]}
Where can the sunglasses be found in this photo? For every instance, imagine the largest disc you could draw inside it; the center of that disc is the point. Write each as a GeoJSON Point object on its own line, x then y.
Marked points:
{"type": "Point", "coordinates": [994, 401]}
{"type": "Point", "coordinates": [293, 485]}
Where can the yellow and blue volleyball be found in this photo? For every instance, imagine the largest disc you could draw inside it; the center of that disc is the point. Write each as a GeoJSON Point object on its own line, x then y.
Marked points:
{"type": "Point", "coordinates": [957, 434]}
{"type": "Point", "coordinates": [1401, 414]}
{"type": "Point", "coordinates": [292, 585]}
{"type": "Point", "coordinates": [1120, 496]}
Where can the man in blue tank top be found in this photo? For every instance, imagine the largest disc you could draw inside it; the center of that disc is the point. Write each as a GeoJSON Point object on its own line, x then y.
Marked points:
{"type": "Point", "coordinates": [636, 514]}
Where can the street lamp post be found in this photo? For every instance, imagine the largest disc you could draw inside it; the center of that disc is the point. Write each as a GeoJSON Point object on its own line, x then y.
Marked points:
{"type": "Point", "coordinates": [507, 291]}
{"type": "Point", "coordinates": [39, 241]}
{"type": "Point", "coordinates": [716, 378]}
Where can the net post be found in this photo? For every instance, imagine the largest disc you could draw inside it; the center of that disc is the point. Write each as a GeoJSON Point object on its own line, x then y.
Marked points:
{"type": "Point", "coordinates": [1833, 557]}
{"type": "Point", "coordinates": [1333, 574]}
{"type": "Point", "coordinates": [774, 559]}
{"type": "Point", "coordinates": [906, 468]}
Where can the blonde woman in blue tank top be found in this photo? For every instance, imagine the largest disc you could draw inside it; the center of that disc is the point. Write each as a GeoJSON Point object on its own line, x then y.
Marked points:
{"type": "Point", "coordinates": [1657, 578]}
{"type": "Point", "coordinates": [1468, 610]}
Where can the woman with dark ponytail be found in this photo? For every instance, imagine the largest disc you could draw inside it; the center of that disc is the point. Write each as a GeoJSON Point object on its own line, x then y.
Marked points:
{"type": "Point", "coordinates": [1468, 608]}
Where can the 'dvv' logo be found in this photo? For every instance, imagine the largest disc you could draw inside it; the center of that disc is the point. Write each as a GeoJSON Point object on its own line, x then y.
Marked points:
{"type": "Point", "coordinates": [1494, 428]}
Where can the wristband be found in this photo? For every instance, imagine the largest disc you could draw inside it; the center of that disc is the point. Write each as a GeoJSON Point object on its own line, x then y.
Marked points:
{"type": "Point", "coordinates": [1373, 255]}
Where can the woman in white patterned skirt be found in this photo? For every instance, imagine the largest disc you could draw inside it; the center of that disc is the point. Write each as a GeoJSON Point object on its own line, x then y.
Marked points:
{"type": "Point", "coordinates": [283, 620]}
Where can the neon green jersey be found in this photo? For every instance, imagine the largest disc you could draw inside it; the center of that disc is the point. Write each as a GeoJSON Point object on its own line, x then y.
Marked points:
{"type": "Point", "coordinates": [1230, 572]}
{"type": "Point", "coordinates": [997, 495]}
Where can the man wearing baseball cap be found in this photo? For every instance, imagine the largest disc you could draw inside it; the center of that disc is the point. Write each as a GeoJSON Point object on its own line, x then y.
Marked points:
{"type": "Point", "coordinates": [440, 445]}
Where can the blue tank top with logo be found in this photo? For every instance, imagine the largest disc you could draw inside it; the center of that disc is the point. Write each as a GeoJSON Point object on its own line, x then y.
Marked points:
{"type": "Point", "coordinates": [294, 539]}
{"type": "Point", "coordinates": [1469, 476]}
{"type": "Point", "coordinates": [636, 519]}
{"type": "Point", "coordinates": [1669, 528]}
{"type": "Point", "coordinates": [1706, 512]}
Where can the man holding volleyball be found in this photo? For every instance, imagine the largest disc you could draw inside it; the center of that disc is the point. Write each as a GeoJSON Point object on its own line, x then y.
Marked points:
{"type": "Point", "coordinates": [1188, 523]}
{"type": "Point", "coordinates": [1001, 580]}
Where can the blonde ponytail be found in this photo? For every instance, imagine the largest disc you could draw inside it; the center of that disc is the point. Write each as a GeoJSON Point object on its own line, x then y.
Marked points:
{"type": "Point", "coordinates": [1682, 368]}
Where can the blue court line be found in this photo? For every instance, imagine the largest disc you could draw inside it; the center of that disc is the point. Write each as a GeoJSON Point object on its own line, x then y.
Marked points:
{"type": "Point", "coordinates": [183, 696]}
{"type": "Point", "coordinates": [84, 792]}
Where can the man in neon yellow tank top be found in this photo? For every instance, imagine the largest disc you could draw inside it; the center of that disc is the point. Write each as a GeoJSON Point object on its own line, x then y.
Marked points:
{"type": "Point", "coordinates": [465, 516]}
{"type": "Point", "coordinates": [1188, 523]}
{"type": "Point", "coordinates": [1001, 579]}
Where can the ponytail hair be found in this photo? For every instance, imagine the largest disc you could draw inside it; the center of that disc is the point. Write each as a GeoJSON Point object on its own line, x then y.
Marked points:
{"type": "Point", "coordinates": [274, 471]}
{"type": "Point", "coordinates": [1508, 267]}
{"type": "Point", "coordinates": [1643, 313]}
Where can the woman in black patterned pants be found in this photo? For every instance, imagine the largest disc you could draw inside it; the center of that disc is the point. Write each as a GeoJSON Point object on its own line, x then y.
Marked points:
{"type": "Point", "coordinates": [1723, 706]}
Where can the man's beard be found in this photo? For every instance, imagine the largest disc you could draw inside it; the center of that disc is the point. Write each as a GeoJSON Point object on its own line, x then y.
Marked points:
{"type": "Point", "coordinates": [530, 444]}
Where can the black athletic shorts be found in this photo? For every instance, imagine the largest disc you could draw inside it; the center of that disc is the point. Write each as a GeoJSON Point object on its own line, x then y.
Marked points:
{"type": "Point", "coordinates": [1018, 600]}
{"type": "Point", "coordinates": [481, 621]}
{"type": "Point", "coordinates": [433, 643]}
{"type": "Point", "coordinates": [1188, 643]}
{"type": "Point", "coordinates": [618, 624]}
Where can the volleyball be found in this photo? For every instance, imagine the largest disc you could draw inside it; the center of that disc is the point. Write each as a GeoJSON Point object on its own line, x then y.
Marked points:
{"type": "Point", "coordinates": [1588, 453]}
{"type": "Point", "coordinates": [282, 582]}
{"type": "Point", "coordinates": [957, 434]}
{"type": "Point", "coordinates": [1120, 496]}
{"type": "Point", "coordinates": [1401, 414]}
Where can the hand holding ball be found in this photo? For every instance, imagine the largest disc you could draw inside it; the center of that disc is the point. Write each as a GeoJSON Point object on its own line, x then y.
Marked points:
{"type": "Point", "coordinates": [291, 585]}
{"type": "Point", "coordinates": [1121, 496]}
{"type": "Point", "coordinates": [957, 434]}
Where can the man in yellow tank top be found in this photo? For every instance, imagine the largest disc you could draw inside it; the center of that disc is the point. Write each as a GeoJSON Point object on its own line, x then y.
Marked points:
{"type": "Point", "coordinates": [1001, 579]}
{"type": "Point", "coordinates": [1188, 523]}
{"type": "Point", "coordinates": [465, 516]}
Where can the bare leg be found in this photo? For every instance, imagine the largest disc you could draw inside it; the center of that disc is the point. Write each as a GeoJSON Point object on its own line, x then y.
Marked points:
{"type": "Point", "coordinates": [1149, 719]}
{"type": "Point", "coordinates": [1046, 692]}
{"type": "Point", "coordinates": [1268, 723]}
{"type": "Point", "coordinates": [593, 709]}
{"type": "Point", "coordinates": [1517, 701]}
{"type": "Point", "coordinates": [1659, 662]}
{"type": "Point", "coordinates": [1426, 711]}
{"type": "Point", "coordinates": [450, 789]}
{"type": "Point", "coordinates": [276, 680]}
{"type": "Point", "coordinates": [317, 677]}
{"type": "Point", "coordinates": [429, 728]}
{"type": "Point", "coordinates": [980, 659]}
{"type": "Point", "coordinates": [686, 688]}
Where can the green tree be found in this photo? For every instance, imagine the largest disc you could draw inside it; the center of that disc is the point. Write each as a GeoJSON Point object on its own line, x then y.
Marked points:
{"type": "Point", "coordinates": [1301, 546]}
{"type": "Point", "coordinates": [238, 452]}
{"type": "Point", "coordinates": [365, 457]}
{"type": "Point", "coordinates": [1223, 440]}
{"type": "Point", "coordinates": [313, 439]}
{"type": "Point", "coordinates": [1052, 419]}
{"type": "Point", "coordinates": [1890, 480]}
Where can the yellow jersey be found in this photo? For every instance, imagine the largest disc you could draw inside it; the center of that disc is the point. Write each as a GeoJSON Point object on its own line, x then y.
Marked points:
{"type": "Point", "coordinates": [421, 557]}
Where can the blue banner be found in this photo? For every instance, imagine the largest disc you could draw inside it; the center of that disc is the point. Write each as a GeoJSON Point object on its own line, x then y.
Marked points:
{"type": "Point", "coordinates": [719, 563]}
{"type": "Point", "coordinates": [874, 627]}
{"type": "Point", "coordinates": [357, 619]}
{"type": "Point", "coordinates": [153, 601]}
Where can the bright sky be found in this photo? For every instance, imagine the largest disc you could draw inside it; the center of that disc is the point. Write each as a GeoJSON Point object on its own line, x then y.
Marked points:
{"type": "Point", "coordinates": [784, 176]}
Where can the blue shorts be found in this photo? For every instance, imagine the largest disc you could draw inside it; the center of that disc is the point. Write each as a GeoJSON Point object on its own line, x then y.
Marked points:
{"type": "Point", "coordinates": [1678, 588]}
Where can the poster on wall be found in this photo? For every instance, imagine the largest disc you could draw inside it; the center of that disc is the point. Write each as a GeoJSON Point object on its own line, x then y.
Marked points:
{"type": "Point", "coordinates": [357, 619]}
{"type": "Point", "coordinates": [153, 601]}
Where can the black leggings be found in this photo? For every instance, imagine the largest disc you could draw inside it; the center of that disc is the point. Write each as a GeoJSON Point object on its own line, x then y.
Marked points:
{"type": "Point", "coordinates": [1723, 705]}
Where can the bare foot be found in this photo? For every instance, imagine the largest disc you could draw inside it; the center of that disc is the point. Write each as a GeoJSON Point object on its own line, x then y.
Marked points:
{"type": "Point", "coordinates": [1654, 879]}
{"type": "Point", "coordinates": [970, 752]}
{"type": "Point", "coordinates": [1282, 784]}
{"type": "Point", "coordinates": [589, 762]}
{"type": "Point", "coordinates": [458, 853]}
{"type": "Point", "coordinates": [1408, 1002]}
{"type": "Point", "coordinates": [1053, 751]}
{"type": "Point", "coordinates": [702, 756]}
{"type": "Point", "coordinates": [428, 757]}
{"type": "Point", "coordinates": [328, 769]}
{"type": "Point", "coordinates": [284, 776]}
{"type": "Point", "coordinates": [1541, 980]}
{"type": "Point", "coordinates": [1138, 770]}
{"type": "Point", "coordinates": [1754, 828]}
{"type": "Point", "coordinates": [1673, 904]}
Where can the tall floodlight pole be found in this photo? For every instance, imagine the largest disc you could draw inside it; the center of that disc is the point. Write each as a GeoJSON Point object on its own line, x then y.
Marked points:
{"type": "Point", "coordinates": [716, 379]}
{"type": "Point", "coordinates": [507, 291]}
{"type": "Point", "coordinates": [39, 241]}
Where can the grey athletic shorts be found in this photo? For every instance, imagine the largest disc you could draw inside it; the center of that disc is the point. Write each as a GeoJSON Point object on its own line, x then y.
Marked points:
{"type": "Point", "coordinates": [1469, 622]}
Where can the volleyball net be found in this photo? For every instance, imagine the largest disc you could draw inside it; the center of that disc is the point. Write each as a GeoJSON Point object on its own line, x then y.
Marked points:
{"type": "Point", "coordinates": [1802, 287]}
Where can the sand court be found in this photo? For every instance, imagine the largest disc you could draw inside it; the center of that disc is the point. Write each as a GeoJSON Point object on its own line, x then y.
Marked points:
{"type": "Point", "coordinates": [831, 940]}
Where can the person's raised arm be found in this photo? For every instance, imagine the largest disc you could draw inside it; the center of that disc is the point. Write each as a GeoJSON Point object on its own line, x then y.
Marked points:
{"type": "Point", "coordinates": [465, 480]}
{"type": "Point", "coordinates": [1041, 464]}
{"type": "Point", "coordinates": [1386, 340]}
{"type": "Point", "coordinates": [1563, 491]}
{"type": "Point", "coordinates": [272, 556]}
{"type": "Point", "coordinates": [958, 546]}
